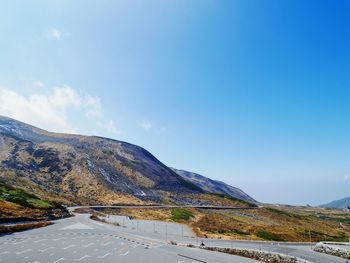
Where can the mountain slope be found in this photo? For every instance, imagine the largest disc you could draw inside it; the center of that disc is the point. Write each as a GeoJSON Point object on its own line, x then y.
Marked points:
{"type": "Point", "coordinates": [213, 186]}
{"type": "Point", "coordinates": [79, 169]}
{"type": "Point", "coordinates": [18, 205]}
{"type": "Point", "coordinates": [339, 204]}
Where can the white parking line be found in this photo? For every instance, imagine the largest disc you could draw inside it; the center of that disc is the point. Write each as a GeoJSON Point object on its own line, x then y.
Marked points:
{"type": "Point", "coordinates": [106, 244]}
{"type": "Point", "coordinates": [127, 252]}
{"type": "Point", "coordinates": [69, 247]}
{"type": "Point", "coordinates": [38, 241]}
{"type": "Point", "coordinates": [58, 260]}
{"type": "Point", "coordinates": [105, 255]}
{"type": "Point", "coordinates": [90, 244]}
{"type": "Point", "coordinates": [46, 249]}
{"type": "Point", "coordinates": [79, 259]}
{"type": "Point", "coordinates": [58, 238]}
{"type": "Point", "coordinates": [20, 242]}
{"type": "Point", "coordinates": [24, 251]}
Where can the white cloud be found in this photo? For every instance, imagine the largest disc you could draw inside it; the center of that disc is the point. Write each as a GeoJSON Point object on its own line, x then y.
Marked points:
{"type": "Point", "coordinates": [53, 109]}
{"type": "Point", "coordinates": [54, 33]}
{"type": "Point", "coordinates": [109, 126]}
{"type": "Point", "coordinates": [57, 34]}
{"type": "Point", "coordinates": [146, 125]}
{"type": "Point", "coordinates": [93, 106]}
{"type": "Point", "coordinates": [39, 84]}
{"type": "Point", "coordinates": [347, 178]}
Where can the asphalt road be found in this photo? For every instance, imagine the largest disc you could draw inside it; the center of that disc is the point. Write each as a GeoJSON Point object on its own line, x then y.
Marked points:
{"type": "Point", "coordinates": [80, 239]}
{"type": "Point", "coordinates": [152, 226]}
{"type": "Point", "coordinates": [183, 235]}
{"type": "Point", "coordinates": [96, 207]}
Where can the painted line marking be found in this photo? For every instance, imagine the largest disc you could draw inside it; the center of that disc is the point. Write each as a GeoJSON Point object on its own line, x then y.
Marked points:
{"type": "Point", "coordinates": [69, 247]}
{"type": "Point", "coordinates": [105, 255]}
{"type": "Point", "coordinates": [106, 244]}
{"type": "Point", "coordinates": [79, 259]}
{"type": "Point", "coordinates": [125, 250]}
{"type": "Point", "coordinates": [46, 249]}
{"type": "Point", "coordinates": [5, 252]}
{"type": "Point", "coordinates": [24, 251]}
{"type": "Point", "coordinates": [20, 242]}
{"type": "Point", "coordinates": [58, 260]}
{"type": "Point", "coordinates": [38, 241]}
{"type": "Point", "coordinates": [56, 239]}
{"type": "Point", "coordinates": [88, 245]}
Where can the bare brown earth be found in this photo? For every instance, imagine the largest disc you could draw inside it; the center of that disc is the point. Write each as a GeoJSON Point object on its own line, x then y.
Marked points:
{"type": "Point", "coordinates": [8, 229]}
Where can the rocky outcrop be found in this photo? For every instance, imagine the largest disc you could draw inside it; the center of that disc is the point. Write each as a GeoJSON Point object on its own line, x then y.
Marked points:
{"type": "Point", "coordinates": [263, 256]}
{"type": "Point", "coordinates": [214, 186]}
{"type": "Point", "coordinates": [335, 249]}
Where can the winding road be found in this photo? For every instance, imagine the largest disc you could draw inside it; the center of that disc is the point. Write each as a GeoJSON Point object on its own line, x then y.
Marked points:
{"type": "Point", "coordinates": [80, 239]}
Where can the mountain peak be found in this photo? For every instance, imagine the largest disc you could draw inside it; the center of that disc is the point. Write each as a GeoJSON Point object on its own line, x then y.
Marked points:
{"type": "Point", "coordinates": [91, 170]}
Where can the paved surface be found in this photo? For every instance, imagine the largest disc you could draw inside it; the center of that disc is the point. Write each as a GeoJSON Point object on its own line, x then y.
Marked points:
{"type": "Point", "coordinates": [170, 206]}
{"type": "Point", "coordinates": [156, 230]}
{"type": "Point", "coordinates": [297, 250]}
{"type": "Point", "coordinates": [79, 239]}
{"type": "Point", "coordinates": [300, 250]}
{"type": "Point", "coordinates": [152, 226]}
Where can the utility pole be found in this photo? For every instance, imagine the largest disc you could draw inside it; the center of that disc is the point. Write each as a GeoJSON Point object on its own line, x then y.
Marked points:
{"type": "Point", "coordinates": [166, 233]}
{"type": "Point", "coordinates": [310, 238]}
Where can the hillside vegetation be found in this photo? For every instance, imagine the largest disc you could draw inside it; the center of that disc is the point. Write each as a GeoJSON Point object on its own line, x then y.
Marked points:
{"type": "Point", "coordinates": [90, 170]}
{"type": "Point", "coordinates": [267, 223]}
{"type": "Point", "coordinates": [18, 205]}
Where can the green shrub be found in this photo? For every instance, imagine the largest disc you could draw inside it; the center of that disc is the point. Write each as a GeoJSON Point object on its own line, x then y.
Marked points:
{"type": "Point", "coordinates": [21, 197]}
{"type": "Point", "coordinates": [268, 235]}
{"type": "Point", "coordinates": [181, 214]}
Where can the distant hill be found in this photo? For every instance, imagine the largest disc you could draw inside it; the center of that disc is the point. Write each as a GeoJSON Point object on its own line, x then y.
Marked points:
{"type": "Point", "coordinates": [76, 169]}
{"type": "Point", "coordinates": [340, 204]}
{"type": "Point", "coordinates": [214, 186]}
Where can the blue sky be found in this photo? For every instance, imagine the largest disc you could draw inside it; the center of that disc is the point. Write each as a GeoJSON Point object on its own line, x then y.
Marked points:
{"type": "Point", "coordinates": [254, 93]}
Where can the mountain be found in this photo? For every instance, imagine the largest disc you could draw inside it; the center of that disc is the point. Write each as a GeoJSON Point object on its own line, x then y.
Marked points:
{"type": "Point", "coordinates": [213, 186]}
{"type": "Point", "coordinates": [339, 204]}
{"type": "Point", "coordinates": [76, 169]}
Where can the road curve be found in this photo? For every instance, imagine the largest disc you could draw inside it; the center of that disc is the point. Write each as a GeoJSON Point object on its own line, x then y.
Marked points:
{"type": "Point", "coordinates": [80, 239]}
{"type": "Point", "coordinates": [169, 207]}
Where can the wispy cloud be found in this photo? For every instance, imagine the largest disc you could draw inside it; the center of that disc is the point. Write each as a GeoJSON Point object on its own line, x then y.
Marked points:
{"type": "Point", "coordinates": [347, 178]}
{"type": "Point", "coordinates": [56, 34]}
{"type": "Point", "coordinates": [52, 109]}
{"type": "Point", "coordinates": [109, 126]}
{"type": "Point", "coordinates": [145, 124]}
{"type": "Point", "coordinates": [39, 84]}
